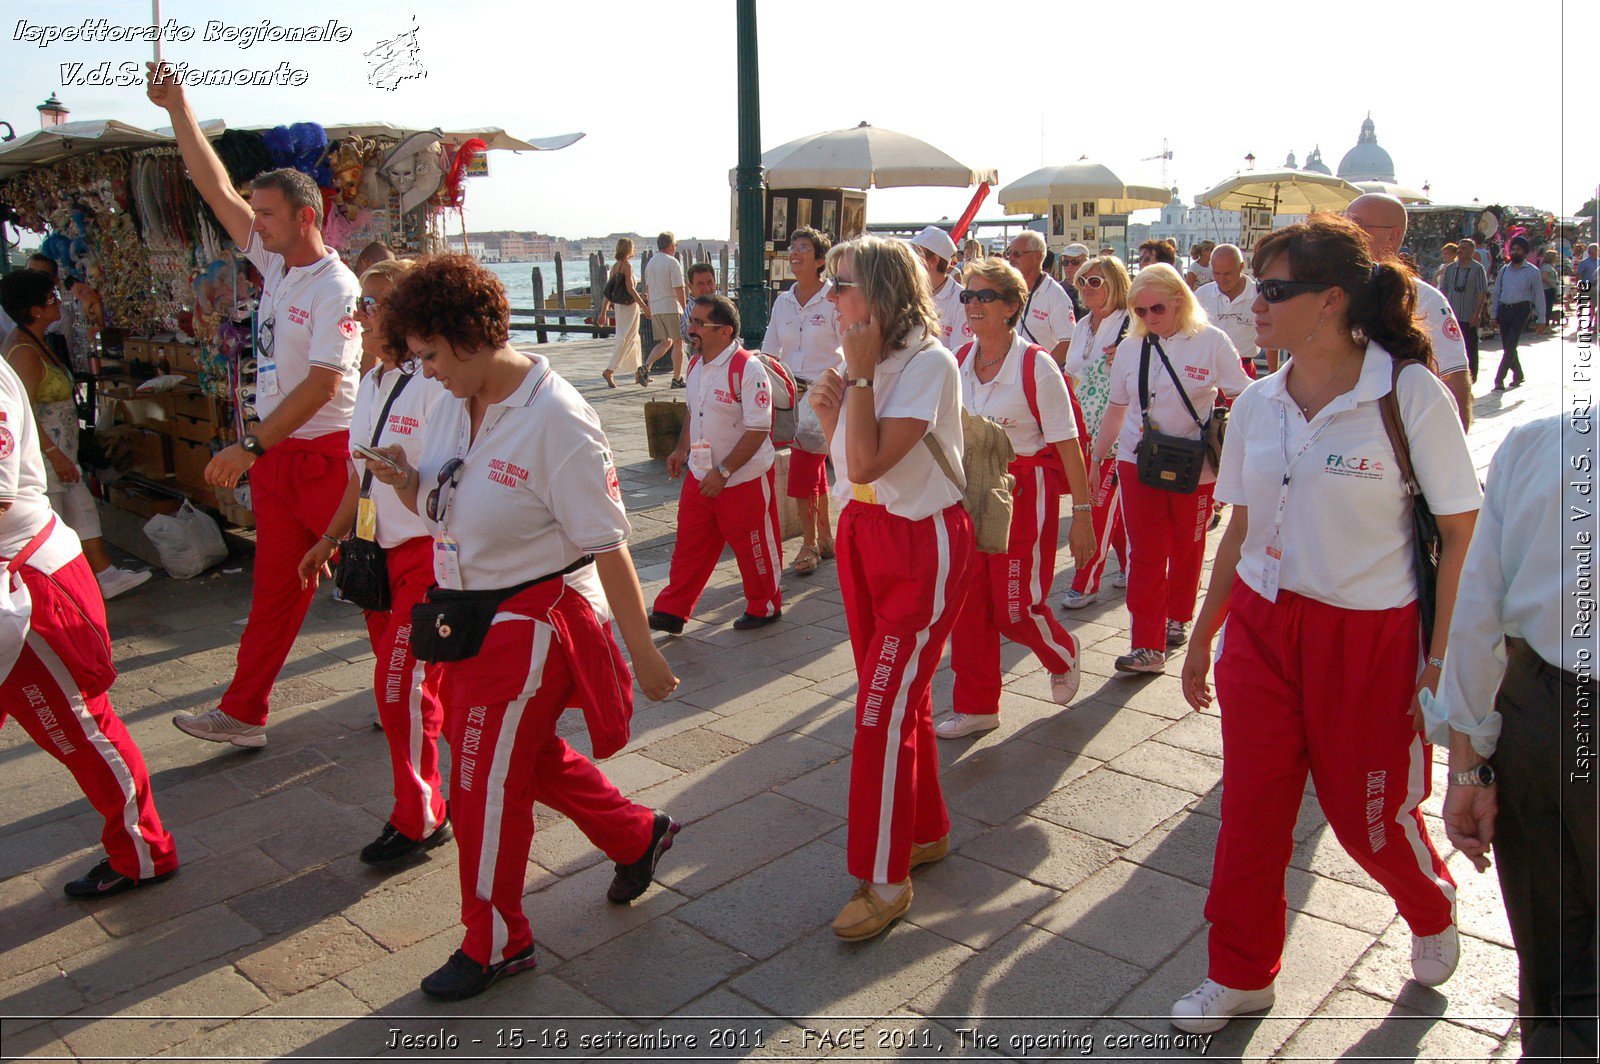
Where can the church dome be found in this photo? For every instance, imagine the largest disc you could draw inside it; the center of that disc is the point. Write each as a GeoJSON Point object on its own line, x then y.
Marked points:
{"type": "Point", "coordinates": [1290, 164]}
{"type": "Point", "coordinates": [1367, 161]}
{"type": "Point", "coordinates": [1315, 164]}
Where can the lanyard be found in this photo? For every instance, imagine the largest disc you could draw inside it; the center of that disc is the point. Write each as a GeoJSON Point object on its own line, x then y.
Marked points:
{"type": "Point", "coordinates": [1274, 565]}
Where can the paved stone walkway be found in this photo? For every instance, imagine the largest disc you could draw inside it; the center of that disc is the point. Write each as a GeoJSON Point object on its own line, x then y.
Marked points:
{"type": "Point", "coordinates": [1069, 913]}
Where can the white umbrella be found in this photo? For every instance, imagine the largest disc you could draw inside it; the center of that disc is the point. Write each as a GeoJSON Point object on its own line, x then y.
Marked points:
{"type": "Point", "coordinates": [45, 146]}
{"type": "Point", "coordinates": [1082, 180]}
{"type": "Point", "coordinates": [1285, 191]}
{"type": "Point", "coordinates": [865, 157]}
{"type": "Point", "coordinates": [1389, 188]}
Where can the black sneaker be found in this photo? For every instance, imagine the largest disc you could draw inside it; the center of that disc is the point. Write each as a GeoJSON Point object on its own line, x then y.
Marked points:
{"type": "Point", "coordinates": [750, 621]}
{"type": "Point", "coordinates": [391, 846]}
{"type": "Point", "coordinates": [679, 382]}
{"type": "Point", "coordinates": [665, 622]}
{"type": "Point", "coordinates": [102, 881]}
{"type": "Point", "coordinates": [463, 977]}
{"type": "Point", "coordinates": [634, 879]}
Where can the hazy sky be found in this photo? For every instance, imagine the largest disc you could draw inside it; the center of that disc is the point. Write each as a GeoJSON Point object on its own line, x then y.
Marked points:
{"type": "Point", "coordinates": [1011, 84]}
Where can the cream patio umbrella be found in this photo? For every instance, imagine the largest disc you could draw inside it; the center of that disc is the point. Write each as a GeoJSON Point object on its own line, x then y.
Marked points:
{"type": "Point", "coordinates": [1083, 180]}
{"type": "Point", "coordinates": [1285, 191]}
{"type": "Point", "coordinates": [865, 157]}
{"type": "Point", "coordinates": [1389, 188]}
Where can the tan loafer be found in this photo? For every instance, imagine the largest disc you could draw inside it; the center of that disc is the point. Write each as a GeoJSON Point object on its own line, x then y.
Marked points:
{"type": "Point", "coordinates": [933, 851]}
{"type": "Point", "coordinates": [866, 915]}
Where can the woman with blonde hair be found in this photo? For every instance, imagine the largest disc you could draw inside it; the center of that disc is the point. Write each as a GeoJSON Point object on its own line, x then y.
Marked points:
{"type": "Point", "coordinates": [621, 294]}
{"type": "Point", "coordinates": [1173, 364]}
{"type": "Point", "coordinates": [1102, 285]}
{"type": "Point", "coordinates": [904, 554]}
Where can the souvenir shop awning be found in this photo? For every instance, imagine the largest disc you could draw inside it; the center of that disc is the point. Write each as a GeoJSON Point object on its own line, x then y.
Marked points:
{"type": "Point", "coordinates": [45, 146]}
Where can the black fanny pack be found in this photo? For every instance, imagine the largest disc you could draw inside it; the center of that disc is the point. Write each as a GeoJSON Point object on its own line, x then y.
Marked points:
{"type": "Point", "coordinates": [1165, 462]}
{"type": "Point", "coordinates": [452, 625]}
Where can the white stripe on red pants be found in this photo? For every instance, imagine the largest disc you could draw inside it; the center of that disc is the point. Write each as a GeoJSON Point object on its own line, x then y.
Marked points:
{"type": "Point", "coordinates": [902, 582]}
{"type": "Point", "coordinates": [294, 489]}
{"type": "Point", "coordinates": [1006, 596]}
{"type": "Point", "coordinates": [745, 517]}
{"type": "Point", "coordinates": [1110, 532]}
{"type": "Point", "coordinates": [1308, 687]}
{"type": "Point", "coordinates": [500, 711]}
{"type": "Point", "coordinates": [66, 645]}
{"type": "Point", "coordinates": [407, 692]}
{"type": "Point", "coordinates": [1167, 539]}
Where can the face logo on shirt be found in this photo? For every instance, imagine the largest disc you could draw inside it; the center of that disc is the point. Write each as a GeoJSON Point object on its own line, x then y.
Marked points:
{"type": "Point", "coordinates": [1340, 465]}
{"type": "Point", "coordinates": [507, 474]}
{"type": "Point", "coordinates": [7, 444]}
{"type": "Point", "coordinates": [349, 328]}
{"type": "Point", "coordinates": [298, 316]}
{"type": "Point", "coordinates": [1451, 329]}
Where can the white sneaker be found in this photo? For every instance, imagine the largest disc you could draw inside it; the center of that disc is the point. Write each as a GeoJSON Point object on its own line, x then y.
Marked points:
{"type": "Point", "coordinates": [1434, 957]}
{"type": "Point", "coordinates": [957, 725]}
{"type": "Point", "coordinates": [1208, 1007]}
{"type": "Point", "coordinates": [218, 727]}
{"type": "Point", "coordinates": [1119, 579]}
{"type": "Point", "coordinates": [1143, 660]}
{"type": "Point", "coordinates": [114, 581]}
{"type": "Point", "coordinates": [1077, 600]}
{"type": "Point", "coordinates": [1064, 685]}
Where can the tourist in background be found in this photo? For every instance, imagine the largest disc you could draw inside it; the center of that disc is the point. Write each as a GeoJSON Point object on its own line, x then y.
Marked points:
{"type": "Point", "coordinates": [1227, 299]}
{"type": "Point", "coordinates": [1586, 271]}
{"type": "Point", "coordinates": [1103, 285]}
{"type": "Point", "coordinates": [936, 250]}
{"type": "Point", "coordinates": [971, 251]}
{"type": "Point", "coordinates": [1319, 666]}
{"type": "Point", "coordinates": [803, 334]}
{"type": "Point", "coordinates": [1166, 529]}
{"type": "Point", "coordinates": [1018, 385]}
{"type": "Point", "coordinates": [905, 552]}
{"type": "Point", "coordinates": [622, 295]}
{"type": "Point", "coordinates": [1154, 251]}
{"type": "Point", "coordinates": [519, 492]}
{"type": "Point", "coordinates": [1516, 299]}
{"type": "Point", "coordinates": [1466, 286]}
{"type": "Point", "coordinates": [1199, 271]}
{"type": "Point", "coordinates": [1447, 256]}
{"type": "Point", "coordinates": [1071, 261]}
{"type": "Point", "coordinates": [1047, 316]}
{"type": "Point", "coordinates": [1550, 277]}
{"type": "Point", "coordinates": [663, 286]}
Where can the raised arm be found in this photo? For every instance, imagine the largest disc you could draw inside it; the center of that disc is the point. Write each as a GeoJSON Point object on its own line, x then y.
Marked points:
{"type": "Point", "coordinates": [210, 177]}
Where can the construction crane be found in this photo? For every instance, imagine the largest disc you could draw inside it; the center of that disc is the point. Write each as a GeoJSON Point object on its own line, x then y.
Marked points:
{"type": "Point", "coordinates": [1165, 157]}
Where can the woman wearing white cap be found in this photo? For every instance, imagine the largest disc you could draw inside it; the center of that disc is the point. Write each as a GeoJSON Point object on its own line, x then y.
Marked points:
{"type": "Point", "coordinates": [938, 252]}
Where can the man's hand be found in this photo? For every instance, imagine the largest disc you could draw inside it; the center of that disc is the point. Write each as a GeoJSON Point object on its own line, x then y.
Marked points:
{"type": "Point", "coordinates": [228, 466]}
{"type": "Point", "coordinates": [162, 87]}
{"type": "Point", "coordinates": [713, 484]}
{"type": "Point", "coordinates": [675, 462]}
{"type": "Point", "coordinates": [1469, 814]}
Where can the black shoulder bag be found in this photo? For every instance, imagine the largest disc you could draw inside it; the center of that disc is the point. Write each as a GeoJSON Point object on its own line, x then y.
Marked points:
{"type": "Point", "coordinates": [1167, 463]}
{"type": "Point", "coordinates": [363, 572]}
{"type": "Point", "coordinates": [1426, 544]}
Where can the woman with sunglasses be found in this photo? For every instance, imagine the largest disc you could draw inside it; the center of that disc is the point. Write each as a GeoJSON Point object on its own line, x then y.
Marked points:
{"type": "Point", "coordinates": [1319, 668]}
{"type": "Point", "coordinates": [521, 498]}
{"type": "Point", "coordinates": [393, 406]}
{"type": "Point", "coordinates": [1017, 384]}
{"type": "Point", "coordinates": [905, 551]}
{"type": "Point", "coordinates": [1102, 283]}
{"type": "Point", "coordinates": [1166, 529]}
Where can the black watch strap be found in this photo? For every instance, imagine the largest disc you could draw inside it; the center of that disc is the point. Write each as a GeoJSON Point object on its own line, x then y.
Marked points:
{"type": "Point", "coordinates": [249, 442]}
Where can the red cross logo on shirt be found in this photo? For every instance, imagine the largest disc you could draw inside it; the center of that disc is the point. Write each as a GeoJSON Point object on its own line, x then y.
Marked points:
{"type": "Point", "coordinates": [7, 444]}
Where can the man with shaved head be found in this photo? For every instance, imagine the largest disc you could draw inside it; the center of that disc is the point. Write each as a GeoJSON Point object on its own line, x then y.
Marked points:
{"type": "Point", "coordinates": [1383, 219]}
{"type": "Point", "coordinates": [1227, 300]}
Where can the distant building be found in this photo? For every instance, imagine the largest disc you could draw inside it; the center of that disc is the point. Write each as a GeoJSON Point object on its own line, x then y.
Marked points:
{"type": "Point", "coordinates": [1367, 161]}
{"type": "Point", "coordinates": [1186, 226]}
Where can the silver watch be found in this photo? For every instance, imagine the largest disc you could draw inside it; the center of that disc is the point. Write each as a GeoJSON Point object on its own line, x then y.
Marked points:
{"type": "Point", "coordinates": [1482, 776]}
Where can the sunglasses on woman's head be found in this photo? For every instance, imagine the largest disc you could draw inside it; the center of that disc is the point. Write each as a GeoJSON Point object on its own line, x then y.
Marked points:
{"type": "Point", "coordinates": [1278, 291]}
{"type": "Point", "coordinates": [1157, 309]}
{"type": "Point", "coordinates": [1094, 280]}
{"type": "Point", "coordinates": [980, 295]}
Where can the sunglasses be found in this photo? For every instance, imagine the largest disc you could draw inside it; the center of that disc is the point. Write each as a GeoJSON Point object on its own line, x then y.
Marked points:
{"type": "Point", "coordinates": [368, 304]}
{"type": "Point", "coordinates": [840, 284]}
{"type": "Point", "coordinates": [980, 295]}
{"type": "Point", "coordinates": [1156, 309]}
{"type": "Point", "coordinates": [1094, 280]}
{"type": "Point", "coordinates": [1278, 291]}
{"type": "Point", "coordinates": [438, 501]}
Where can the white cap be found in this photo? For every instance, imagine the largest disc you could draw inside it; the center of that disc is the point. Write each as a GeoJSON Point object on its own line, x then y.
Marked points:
{"type": "Point", "coordinates": [937, 241]}
{"type": "Point", "coordinates": [1075, 251]}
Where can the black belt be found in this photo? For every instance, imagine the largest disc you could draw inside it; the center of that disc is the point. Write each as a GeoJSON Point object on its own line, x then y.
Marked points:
{"type": "Point", "coordinates": [1520, 648]}
{"type": "Point", "coordinates": [500, 594]}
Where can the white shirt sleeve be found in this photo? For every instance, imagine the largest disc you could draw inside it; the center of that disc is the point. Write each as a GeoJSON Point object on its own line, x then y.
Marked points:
{"type": "Point", "coordinates": [1055, 405]}
{"type": "Point", "coordinates": [1231, 377]}
{"type": "Point", "coordinates": [677, 273]}
{"type": "Point", "coordinates": [755, 396]}
{"type": "Point", "coordinates": [13, 402]}
{"type": "Point", "coordinates": [1230, 478]}
{"type": "Point", "coordinates": [779, 340]}
{"type": "Point", "coordinates": [920, 389]}
{"type": "Point", "coordinates": [581, 497]}
{"type": "Point", "coordinates": [1124, 369]}
{"type": "Point", "coordinates": [1449, 346]}
{"type": "Point", "coordinates": [335, 335]}
{"type": "Point", "coordinates": [1438, 446]}
{"type": "Point", "coordinates": [264, 260]}
{"type": "Point", "coordinates": [1078, 353]}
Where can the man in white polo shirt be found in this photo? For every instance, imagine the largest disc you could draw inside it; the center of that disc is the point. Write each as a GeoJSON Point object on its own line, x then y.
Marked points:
{"type": "Point", "coordinates": [1047, 319]}
{"type": "Point", "coordinates": [1226, 299]}
{"type": "Point", "coordinates": [308, 357]}
{"type": "Point", "coordinates": [730, 495]}
{"type": "Point", "coordinates": [663, 287]}
{"type": "Point", "coordinates": [937, 251]}
{"type": "Point", "coordinates": [1383, 219]}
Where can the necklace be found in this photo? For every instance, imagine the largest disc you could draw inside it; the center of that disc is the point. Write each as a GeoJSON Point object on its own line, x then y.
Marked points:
{"type": "Point", "coordinates": [1313, 399]}
{"type": "Point", "coordinates": [982, 363]}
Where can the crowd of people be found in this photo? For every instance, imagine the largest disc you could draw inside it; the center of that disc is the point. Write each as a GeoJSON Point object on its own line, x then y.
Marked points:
{"type": "Point", "coordinates": [464, 494]}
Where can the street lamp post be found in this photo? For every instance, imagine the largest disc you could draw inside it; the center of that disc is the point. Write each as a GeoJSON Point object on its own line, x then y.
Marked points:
{"type": "Point", "coordinates": [747, 183]}
{"type": "Point", "coordinates": [52, 113]}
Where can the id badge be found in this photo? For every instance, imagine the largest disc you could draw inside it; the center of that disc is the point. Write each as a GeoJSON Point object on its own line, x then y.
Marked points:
{"type": "Point", "coordinates": [366, 519]}
{"type": "Point", "coordinates": [447, 563]}
{"type": "Point", "coordinates": [864, 493]}
{"type": "Point", "coordinates": [266, 376]}
{"type": "Point", "coordinates": [1272, 569]}
{"type": "Point", "coordinates": [700, 459]}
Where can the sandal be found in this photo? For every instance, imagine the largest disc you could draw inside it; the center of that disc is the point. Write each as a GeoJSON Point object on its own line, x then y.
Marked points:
{"type": "Point", "coordinates": [641, 377]}
{"type": "Point", "coordinates": [606, 376]}
{"type": "Point", "coordinates": [806, 562]}
{"type": "Point", "coordinates": [826, 552]}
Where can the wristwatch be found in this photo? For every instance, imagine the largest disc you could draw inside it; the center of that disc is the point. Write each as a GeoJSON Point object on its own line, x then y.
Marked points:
{"type": "Point", "coordinates": [253, 445]}
{"type": "Point", "coordinates": [724, 470]}
{"type": "Point", "coordinates": [1481, 776]}
{"type": "Point", "coordinates": [859, 382]}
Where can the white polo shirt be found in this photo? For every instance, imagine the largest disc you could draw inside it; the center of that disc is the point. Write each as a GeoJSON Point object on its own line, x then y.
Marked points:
{"type": "Point", "coordinates": [306, 318]}
{"type": "Point", "coordinates": [805, 338]}
{"type": "Point", "coordinates": [537, 491]}
{"type": "Point", "coordinates": [721, 415]}
{"type": "Point", "coordinates": [1204, 363]}
{"type": "Point", "coordinates": [1232, 316]}
{"type": "Point", "coordinates": [1449, 347]}
{"type": "Point", "coordinates": [1089, 365]}
{"type": "Point", "coordinates": [1346, 537]}
{"type": "Point", "coordinates": [1047, 318]}
{"type": "Point", "coordinates": [953, 328]}
{"type": "Point", "coordinates": [1202, 273]}
{"type": "Point", "coordinates": [1004, 401]}
{"type": "Point", "coordinates": [662, 274]}
{"type": "Point", "coordinates": [22, 483]}
{"type": "Point", "coordinates": [408, 416]}
{"type": "Point", "coordinates": [921, 381]}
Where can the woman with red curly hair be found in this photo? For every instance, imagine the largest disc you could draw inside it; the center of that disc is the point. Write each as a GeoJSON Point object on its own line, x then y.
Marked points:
{"type": "Point", "coordinates": [517, 488]}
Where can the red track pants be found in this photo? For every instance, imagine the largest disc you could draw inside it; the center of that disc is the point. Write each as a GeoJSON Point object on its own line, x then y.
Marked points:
{"type": "Point", "coordinates": [903, 583]}
{"type": "Point", "coordinates": [808, 474]}
{"type": "Point", "coordinates": [1305, 686]}
{"type": "Point", "coordinates": [407, 691]}
{"type": "Point", "coordinates": [68, 655]}
{"type": "Point", "coordinates": [295, 489]}
{"type": "Point", "coordinates": [744, 517]}
{"type": "Point", "coordinates": [1167, 538]}
{"type": "Point", "coordinates": [1110, 533]}
{"type": "Point", "coordinates": [500, 710]}
{"type": "Point", "coordinates": [1007, 597]}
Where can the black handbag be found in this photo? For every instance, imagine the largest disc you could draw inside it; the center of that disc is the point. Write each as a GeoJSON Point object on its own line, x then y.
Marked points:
{"type": "Point", "coordinates": [616, 291]}
{"type": "Point", "coordinates": [1426, 543]}
{"type": "Point", "coordinates": [1165, 462]}
{"type": "Point", "coordinates": [451, 625]}
{"type": "Point", "coordinates": [362, 575]}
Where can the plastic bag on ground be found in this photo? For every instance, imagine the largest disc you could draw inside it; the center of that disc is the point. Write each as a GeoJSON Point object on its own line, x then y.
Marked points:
{"type": "Point", "coordinates": [188, 542]}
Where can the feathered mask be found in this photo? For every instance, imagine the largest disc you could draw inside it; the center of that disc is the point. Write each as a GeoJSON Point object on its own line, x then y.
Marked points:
{"type": "Point", "coordinates": [302, 146]}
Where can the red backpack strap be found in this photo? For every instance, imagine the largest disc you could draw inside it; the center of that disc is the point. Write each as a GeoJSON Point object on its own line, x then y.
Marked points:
{"type": "Point", "coordinates": [736, 372]}
{"type": "Point", "coordinates": [1030, 381]}
{"type": "Point", "coordinates": [965, 350]}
